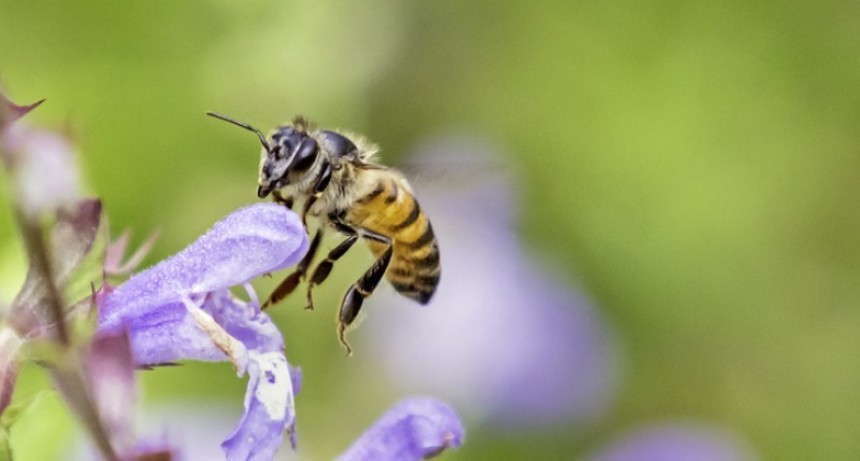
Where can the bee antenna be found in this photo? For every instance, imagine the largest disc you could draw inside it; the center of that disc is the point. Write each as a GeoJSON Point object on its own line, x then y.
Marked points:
{"type": "Point", "coordinates": [243, 125]}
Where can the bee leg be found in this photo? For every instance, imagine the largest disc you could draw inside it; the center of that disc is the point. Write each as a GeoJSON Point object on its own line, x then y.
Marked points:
{"type": "Point", "coordinates": [307, 208]}
{"type": "Point", "coordinates": [292, 281]}
{"type": "Point", "coordinates": [281, 200]}
{"type": "Point", "coordinates": [324, 267]}
{"type": "Point", "coordinates": [362, 288]}
{"type": "Point", "coordinates": [320, 185]}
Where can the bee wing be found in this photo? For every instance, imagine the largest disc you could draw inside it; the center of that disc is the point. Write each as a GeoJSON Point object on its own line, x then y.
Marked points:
{"type": "Point", "coordinates": [460, 163]}
{"type": "Point", "coordinates": [465, 173]}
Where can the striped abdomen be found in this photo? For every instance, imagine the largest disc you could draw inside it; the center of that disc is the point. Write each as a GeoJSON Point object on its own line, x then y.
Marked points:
{"type": "Point", "coordinates": [391, 210]}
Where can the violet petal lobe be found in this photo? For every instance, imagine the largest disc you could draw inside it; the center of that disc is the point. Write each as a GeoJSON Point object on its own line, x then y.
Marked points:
{"type": "Point", "coordinates": [247, 243]}
{"type": "Point", "coordinates": [171, 333]}
{"type": "Point", "coordinates": [415, 428]}
{"type": "Point", "coordinates": [269, 410]}
{"type": "Point", "coordinates": [182, 308]}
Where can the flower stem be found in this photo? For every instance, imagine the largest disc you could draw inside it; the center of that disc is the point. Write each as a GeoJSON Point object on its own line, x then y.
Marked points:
{"type": "Point", "coordinates": [34, 240]}
{"type": "Point", "coordinates": [66, 372]}
{"type": "Point", "coordinates": [72, 384]}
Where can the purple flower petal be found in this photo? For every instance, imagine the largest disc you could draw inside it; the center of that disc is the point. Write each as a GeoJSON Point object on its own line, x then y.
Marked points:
{"type": "Point", "coordinates": [415, 428]}
{"type": "Point", "coordinates": [676, 442]}
{"type": "Point", "coordinates": [269, 410]}
{"type": "Point", "coordinates": [249, 242]}
{"type": "Point", "coordinates": [182, 309]}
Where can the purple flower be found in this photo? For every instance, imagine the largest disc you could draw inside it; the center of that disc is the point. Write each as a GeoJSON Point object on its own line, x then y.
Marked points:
{"type": "Point", "coordinates": [676, 442]}
{"type": "Point", "coordinates": [415, 428]}
{"type": "Point", "coordinates": [182, 308]}
{"type": "Point", "coordinates": [545, 353]}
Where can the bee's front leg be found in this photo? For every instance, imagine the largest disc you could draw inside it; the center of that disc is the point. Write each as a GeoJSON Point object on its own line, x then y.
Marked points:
{"type": "Point", "coordinates": [324, 267]}
{"type": "Point", "coordinates": [292, 281]}
{"type": "Point", "coordinates": [281, 200]}
{"type": "Point", "coordinates": [322, 181]}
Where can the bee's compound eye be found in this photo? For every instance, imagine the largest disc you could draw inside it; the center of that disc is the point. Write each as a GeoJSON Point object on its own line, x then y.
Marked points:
{"type": "Point", "coordinates": [306, 155]}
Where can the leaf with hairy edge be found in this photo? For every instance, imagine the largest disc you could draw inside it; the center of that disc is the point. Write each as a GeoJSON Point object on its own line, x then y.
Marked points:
{"type": "Point", "coordinates": [77, 243]}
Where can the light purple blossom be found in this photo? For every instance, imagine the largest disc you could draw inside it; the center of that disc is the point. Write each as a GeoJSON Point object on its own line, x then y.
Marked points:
{"type": "Point", "coordinates": [677, 442]}
{"type": "Point", "coordinates": [502, 339]}
{"type": "Point", "coordinates": [182, 308]}
{"type": "Point", "coordinates": [415, 428]}
{"type": "Point", "coordinates": [46, 172]}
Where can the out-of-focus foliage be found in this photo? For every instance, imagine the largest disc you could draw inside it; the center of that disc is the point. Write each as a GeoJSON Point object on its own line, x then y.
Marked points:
{"type": "Point", "coordinates": [693, 164]}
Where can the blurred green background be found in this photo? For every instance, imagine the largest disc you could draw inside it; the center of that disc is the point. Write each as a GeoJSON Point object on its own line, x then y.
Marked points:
{"type": "Point", "coordinates": [693, 164]}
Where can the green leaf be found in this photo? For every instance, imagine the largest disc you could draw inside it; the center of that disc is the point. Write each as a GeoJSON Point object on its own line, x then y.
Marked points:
{"type": "Point", "coordinates": [9, 417]}
{"type": "Point", "coordinates": [5, 445]}
{"type": "Point", "coordinates": [15, 411]}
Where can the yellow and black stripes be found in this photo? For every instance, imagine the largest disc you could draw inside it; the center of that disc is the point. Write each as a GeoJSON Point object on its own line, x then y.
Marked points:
{"type": "Point", "coordinates": [391, 210]}
{"type": "Point", "coordinates": [416, 276]}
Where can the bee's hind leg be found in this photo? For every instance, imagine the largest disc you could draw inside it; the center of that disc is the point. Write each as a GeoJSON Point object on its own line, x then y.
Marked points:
{"type": "Point", "coordinates": [361, 289]}
{"type": "Point", "coordinates": [292, 281]}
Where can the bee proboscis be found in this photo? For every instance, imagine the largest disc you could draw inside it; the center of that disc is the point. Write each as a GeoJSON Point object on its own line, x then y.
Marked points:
{"type": "Point", "coordinates": [334, 175]}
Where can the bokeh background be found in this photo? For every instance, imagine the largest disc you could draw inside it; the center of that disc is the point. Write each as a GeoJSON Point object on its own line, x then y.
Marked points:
{"type": "Point", "coordinates": [656, 248]}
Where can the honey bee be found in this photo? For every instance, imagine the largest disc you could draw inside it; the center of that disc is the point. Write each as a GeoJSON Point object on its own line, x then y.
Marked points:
{"type": "Point", "coordinates": [337, 180]}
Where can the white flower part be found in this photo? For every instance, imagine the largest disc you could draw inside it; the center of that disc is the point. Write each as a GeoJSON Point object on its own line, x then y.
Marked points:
{"type": "Point", "coordinates": [274, 389]}
{"type": "Point", "coordinates": [232, 347]}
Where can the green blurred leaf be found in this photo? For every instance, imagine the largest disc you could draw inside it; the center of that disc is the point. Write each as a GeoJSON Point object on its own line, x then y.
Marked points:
{"type": "Point", "coordinates": [17, 410]}
{"type": "Point", "coordinates": [9, 417]}
{"type": "Point", "coordinates": [5, 445]}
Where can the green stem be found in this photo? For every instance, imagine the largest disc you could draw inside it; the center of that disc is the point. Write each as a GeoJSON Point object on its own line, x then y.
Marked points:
{"type": "Point", "coordinates": [34, 240]}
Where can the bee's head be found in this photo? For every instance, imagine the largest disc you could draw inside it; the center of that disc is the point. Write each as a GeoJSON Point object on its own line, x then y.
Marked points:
{"type": "Point", "coordinates": [286, 157]}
